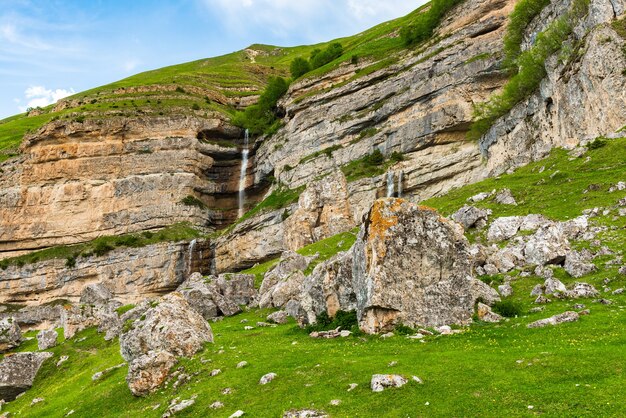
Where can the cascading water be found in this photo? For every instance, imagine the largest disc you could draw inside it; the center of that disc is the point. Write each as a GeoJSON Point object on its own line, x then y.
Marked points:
{"type": "Point", "coordinates": [192, 246]}
{"type": "Point", "coordinates": [390, 184]}
{"type": "Point", "coordinates": [400, 175]}
{"type": "Point", "coordinates": [242, 175]}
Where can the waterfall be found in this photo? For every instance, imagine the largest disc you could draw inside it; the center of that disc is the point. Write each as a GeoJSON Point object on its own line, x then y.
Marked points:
{"type": "Point", "coordinates": [390, 185]}
{"type": "Point", "coordinates": [242, 174]}
{"type": "Point", "coordinates": [192, 246]}
{"type": "Point", "coordinates": [400, 175]}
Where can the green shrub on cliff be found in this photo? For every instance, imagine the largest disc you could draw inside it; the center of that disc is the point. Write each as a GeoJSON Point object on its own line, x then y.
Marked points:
{"type": "Point", "coordinates": [426, 23]}
{"type": "Point", "coordinates": [261, 118]}
{"type": "Point", "coordinates": [299, 67]}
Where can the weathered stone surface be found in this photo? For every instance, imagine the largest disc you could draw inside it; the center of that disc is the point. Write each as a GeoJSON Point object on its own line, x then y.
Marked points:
{"type": "Point", "coordinates": [10, 334]}
{"type": "Point", "coordinates": [77, 318]}
{"type": "Point", "coordinates": [569, 316]}
{"type": "Point", "coordinates": [149, 371]}
{"type": "Point", "coordinates": [553, 286]}
{"type": "Point", "coordinates": [305, 413]}
{"type": "Point", "coordinates": [411, 266]}
{"type": "Point", "coordinates": [504, 228]}
{"type": "Point", "coordinates": [171, 325]}
{"type": "Point", "coordinates": [265, 379]}
{"type": "Point", "coordinates": [381, 382]}
{"type": "Point", "coordinates": [485, 314]}
{"type": "Point", "coordinates": [46, 339]}
{"type": "Point", "coordinates": [279, 317]}
{"type": "Point", "coordinates": [95, 294]}
{"type": "Point", "coordinates": [548, 245]}
{"type": "Point", "coordinates": [505, 197]}
{"type": "Point", "coordinates": [323, 211]}
{"type": "Point", "coordinates": [471, 216]}
{"type": "Point", "coordinates": [283, 282]}
{"type": "Point", "coordinates": [18, 371]}
{"type": "Point", "coordinates": [582, 290]}
{"type": "Point", "coordinates": [578, 263]}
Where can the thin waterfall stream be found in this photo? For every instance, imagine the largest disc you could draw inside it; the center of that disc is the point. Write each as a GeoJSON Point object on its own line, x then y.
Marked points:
{"type": "Point", "coordinates": [242, 175]}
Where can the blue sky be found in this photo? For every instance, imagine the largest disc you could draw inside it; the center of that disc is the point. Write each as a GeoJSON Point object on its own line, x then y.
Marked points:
{"type": "Point", "coordinates": [50, 49]}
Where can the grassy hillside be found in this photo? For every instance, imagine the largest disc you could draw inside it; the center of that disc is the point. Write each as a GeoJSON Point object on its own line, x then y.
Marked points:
{"type": "Point", "coordinates": [574, 369]}
{"type": "Point", "coordinates": [204, 86]}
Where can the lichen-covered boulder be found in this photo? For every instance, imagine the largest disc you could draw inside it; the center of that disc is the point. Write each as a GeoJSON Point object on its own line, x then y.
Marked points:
{"type": "Point", "coordinates": [170, 325]}
{"type": "Point", "coordinates": [149, 371]}
{"type": "Point", "coordinates": [10, 334]}
{"type": "Point", "coordinates": [18, 371]}
{"type": "Point", "coordinates": [412, 266]}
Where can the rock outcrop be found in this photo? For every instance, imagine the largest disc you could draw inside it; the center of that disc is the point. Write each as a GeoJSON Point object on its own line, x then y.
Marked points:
{"type": "Point", "coordinates": [10, 334]}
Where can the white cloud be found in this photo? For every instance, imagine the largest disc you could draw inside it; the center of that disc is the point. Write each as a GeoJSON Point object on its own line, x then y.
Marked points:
{"type": "Point", "coordinates": [39, 96]}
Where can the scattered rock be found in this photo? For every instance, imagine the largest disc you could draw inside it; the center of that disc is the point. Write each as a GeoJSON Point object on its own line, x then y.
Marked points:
{"type": "Point", "coordinates": [216, 405]}
{"type": "Point", "coordinates": [504, 228]}
{"type": "Point", "coordinates": [618, 291]}
{"type": "Point", "coordinates": [265, 325]}
{"type": "Point", "coordinates": [18, 371]}
{"type": "Point", "coordinates": [242, 364]}
{"type": "Point", "coordinates": [237, 414]}
{"type": "Point", "coordinates": [283, 282]}
{"type": "Point", "coordinates": [584, 312]}
{"type": "Point", "coordinates": [548, 245]}
{"type": "Point", "coordinates": [505, 290]}
{"type": "Point", "coordinates": [335, 402]}
{"type": "Point", "coordinates": [76, 318]}
{"type": "Point", "coordinates": [537, 309]}
{"type": "Point", "coordinates": [417, 380]}
{"type": "Point", "coordinates": [305, 413]}
{"type": "Point", "coordinates": [176, 406]}
{"type": "Point", "coordinates": [617, 187]}
{"type": "Point", "coordinates": [98, 375]}
{"type": "Point", "coordinates": [149, 371]}
{"type": "Point", "coordinates": [215, 372]}
{"type": "Point", "coordinates": [582, 290]}
{"type": "Point", "coordinates": [537, 290]}
{"type": "Point", "coordinates": [578, 263]}
{"type": "Point", "coordinates": [62, 360]}
{"type": "Point", "coordinates": [267, 378]}
{"type": "Point", "coordinates": [481, 196]}
{"type": "Point", "coordinates": [554, 286]}
{"type": "Point", "coordinates": [334, 333]}
{"type": "Point", "coordinates": [569, 316]}
{"type": "Point", "coordinates": [622, 270]}
{"type": "Point", "coordinates": [382, 381]}
{"type": "Point", "coordinates": [95, 294]}
{"type": "Point", "coordinates": [505, 197]}
{"type": "Point", "coordinates": [46, 339]}
{"type": "Point", "coordinates": [279, 317]}
{"type": "Point", "coordinates": [352, 387]}
{"type": "Point", "coordinates": [248, 328]}
{"type": "Point", "coordinates": [10, 334]}
{"type": "Point", "coordinates": [541, 299]}
{"type": "Point", "coordinates": [604, 301]}
{"type": "Point", "coordinates": [36, 401]}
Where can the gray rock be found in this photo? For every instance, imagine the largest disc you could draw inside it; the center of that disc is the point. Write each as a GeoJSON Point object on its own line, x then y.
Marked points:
{"type": "Point", "coordinates": [305, 413]}
{"type": "Point", "coordinates": [265, 379]}
{"type": "Point", "coordinates": [77, 318]}
{"type": "Point", "coordinates": [622, 270]}
{"type": "Point", "coordinates": [617, 187]}
{"type": "Point", "coordinates": [554, 286]}
{"type": "Point", "coordinates": [548, 245]}
{"type": "Point", "coordinates": [18, 371]}
{"type": "Point", "coordinates": [505, 290]}
{"type": "Point", "coordinates": [504, 228]}
{"type": "Point", "coordinates": [381, 382]}
{"type": "Point", "coordinates": [111, 325]}
{"type": "Point", "coordinates": [569, 316]}
{"type": "Point", "coordinates": [542, 299]}
{"type": "Point", "coordinates": [237, 414]}
{"type": "Point", "coordinates": [284, 282]}
{"type": "Point", "coordinates": [46, 339]}
{"type": "Point", "coordinates": [578, 263]}
{"type": "Point", "coordinates": [471, 216]}
{"type": "Point", "coordinates": [98, 375]}
{"type": "Point", "coordinates": [544, 271]}
{"type": "Point", "coordinates": [481, 196]}
{"type": "Point", "coordinates": [95, 294]}
{"type": "Point", "coordinates": [10, 334]}
{"type": "Point", "coordinates": [149, 371]}
{"type": "Point", "coordinates": [537, 290]}
{"type": "Point", "coordinates": [176, 406]}
{"type": "Point", "coordinates": [485, 314]}
{"type": "Point", "coordinates": [278, 317]}
{"type": "Point", "coordinates": [505, 197]}
{"type": "Point", "coordinates": [242, 364]}
{"type": "Point", "coordinates": [582, 290]}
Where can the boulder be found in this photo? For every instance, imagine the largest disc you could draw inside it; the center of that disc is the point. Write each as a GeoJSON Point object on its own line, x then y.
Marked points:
{"type": "Point", "coordinates": [578, 263]}
{"type": "Point", "coordinates": [569, 316]}
{"type": "Point", "coordinates": [485, 314]}
{"type": "Point", "coordinates": [582, 290]}
{"type": "Point", "coordinates": [18, 371]}
{"type": "Point", "coordinates": [481, 196]}
{"type": "Point", "coordinates": [283, 282]}
{"type": "Point", "coordinates": [411, 266]}
{"type": "Point", "coordinates": [505, 197]}
{"type": "Point", "coordinates": [46, 339]}
{"type": "Point", "coordinates": [471, 216]}
{"type": "Point", "coordinates": [265, 379]}
{"type": "Point", "coordinates": [504, 228]}
{"type": "Point", "coordinates": [381, 382]}
{"type": "Point", "coordinates": [170, 325]}
{"type": "Point", "coordinates": [548, 245]}
{"type": "Point", "coordinates": [110, 325]}
{"type": "Point", "coordinates": [10, 334]}
{"type": "Point", "coordinates": [77, 318]}
{"type": "Point", "coordinates": [279, 317]}
{"type": "Point", "coordinates": [505, 290]}
{"type": "Point", "coordinates": [95, 294]}
{"type": "Point", "coordinates": [553, 286]}
{"type": "Point", "coordinates": [149, 371]}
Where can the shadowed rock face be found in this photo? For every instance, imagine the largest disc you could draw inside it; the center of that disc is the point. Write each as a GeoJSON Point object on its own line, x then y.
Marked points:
{"type": "Point", "coordinates": [17, 373]}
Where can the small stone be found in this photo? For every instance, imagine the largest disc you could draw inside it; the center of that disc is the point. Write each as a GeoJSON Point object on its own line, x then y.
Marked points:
{"type": "Point", "coordinates": [267, 378]}
{"type": "Point", "coordinates": [227, 391]}
{"type": "Point", "coordinates": [542, 299]}
{"type": "Point", "coordinates": [352, 387]}
{"type": "Point", "coordinates": [216, 405]}
{"type": "Point", "coordinates": [579, 306]}
{"type": "Point", "coordinates": [36, 401]}
{"type": "Point", "coordinates": [62, 360]}
{"type": "Point", "coordinates": [243, 321]}
{"type": "Point", "coordinates": [345, 333]}
{"type": "Point", "coordinates": [568, 316]}
{"type": "Point", "coordinates": [505, 197]}
{"type": "Point", "coordinates": [387, 335]}
{"type": "Point", "coordinates": [248, 328]}
{"type": "Point", "coordinates": [237, 414]}
{"type": "Point", "coordinates": [242, 364]}
{"type": "Point", "coordinates": [335, 402]}
{"type": "Point", "coordinates": [604, 301]}
{"type": "Point", "coordinates": [537, 290]}
{"type": "Point", "coordinates": [215, 372]}
{"type": "Point", "coordinates": [392, 364]}
{"type": "Point", "coordinates": [618, 291]}
{"type": "Point", "coordinates": [444, 330]}
{"type": "Point", "coordinates": [505, 290]}
{"type": "Point", "coordinates": [418, 380]}
{"type": "Point", "coordinates": [177, 406]}
{"type": "Point", "coordinates": [584, 312]}
{"type": "Point", "coordinates": [537, 309]}
{"type": "Point", "coordinates": [417, 336]}
{"type": "Point", "coordinates": [70, 413]}
{"type": "Point", "coordinates": [279, 317]}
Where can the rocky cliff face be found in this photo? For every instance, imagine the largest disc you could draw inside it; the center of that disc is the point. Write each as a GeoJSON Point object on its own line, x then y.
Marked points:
{"type": "Point", "coordinates": [76, 181]}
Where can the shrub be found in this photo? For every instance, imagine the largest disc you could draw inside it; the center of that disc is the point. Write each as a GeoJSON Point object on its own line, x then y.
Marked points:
{"type": "Point", "coordinates": [320, 58]}
{"type": "Point", "coordinates": [70, 262]}
{"type": "Point", "coordinates": [299, 67]}
{"type": "Point", "coordinates": [195, 106]}
{"type": "Point", "coordinates": [261, 118]}
{"type": "Point", "coordinates": [426, 23]}
{"type": "Point", "coordinates": [343, 320]}
{"type": "Point", "coordinates": [102, 247]}
{"type": "Point", "coordinates": [597, 143]}
{"type": "Point", "coordinates": [507, 308]}
{"type": "Point", "coordinates": [193, 201]}
{"type": "Point", "coordinates": [354, 60]}
{"type": "Point", "coordinates": [402, 329]}
{"type": "Point", "coordinates": [524, 12]}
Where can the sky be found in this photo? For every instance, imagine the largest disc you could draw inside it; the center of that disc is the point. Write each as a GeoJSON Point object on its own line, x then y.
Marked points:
{"type": "Point", "coordinates": [50, 49]}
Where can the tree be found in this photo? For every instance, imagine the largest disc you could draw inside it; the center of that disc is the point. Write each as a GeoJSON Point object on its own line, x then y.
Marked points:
{"type": "Point", "coordinates": [299, 67]}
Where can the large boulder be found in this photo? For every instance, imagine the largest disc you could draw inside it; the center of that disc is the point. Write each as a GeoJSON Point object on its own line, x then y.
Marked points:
{"type": "Point", "coordinates": [471, 216]}
{"type": "Point", "coordinates": [411, 266]}
{"type": "Point", "coordinates": [164, 329]}
{"type": "Point", "coordinates": [218, 295]}
{"type": "Point", "coordinates": [548, 245]}
{"type": "Point", "coordinates": [46, 338]}
{"type": "Point", "coordinates": [170, 325]}
{"type": "Point", "coordinates": [578, 263]}
{"type": "Point", "coordinates": [10, 334]}
{"type": "Point", "coordinates": [283, 282]}
{"type": "Point", "coordinates": [18, 371]}
{"type": "Point", "coordinates": [77, 318]}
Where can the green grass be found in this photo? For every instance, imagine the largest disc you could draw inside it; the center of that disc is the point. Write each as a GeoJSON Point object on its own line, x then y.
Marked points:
{"type": "Point", "coordinates": [558, 192]}
{"type": "Point", "coordinates": [100, 246]}
{"type": "Point", "coordinates": [370, 165]}
{"type": "Point", "coordinates": [278, 199]}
